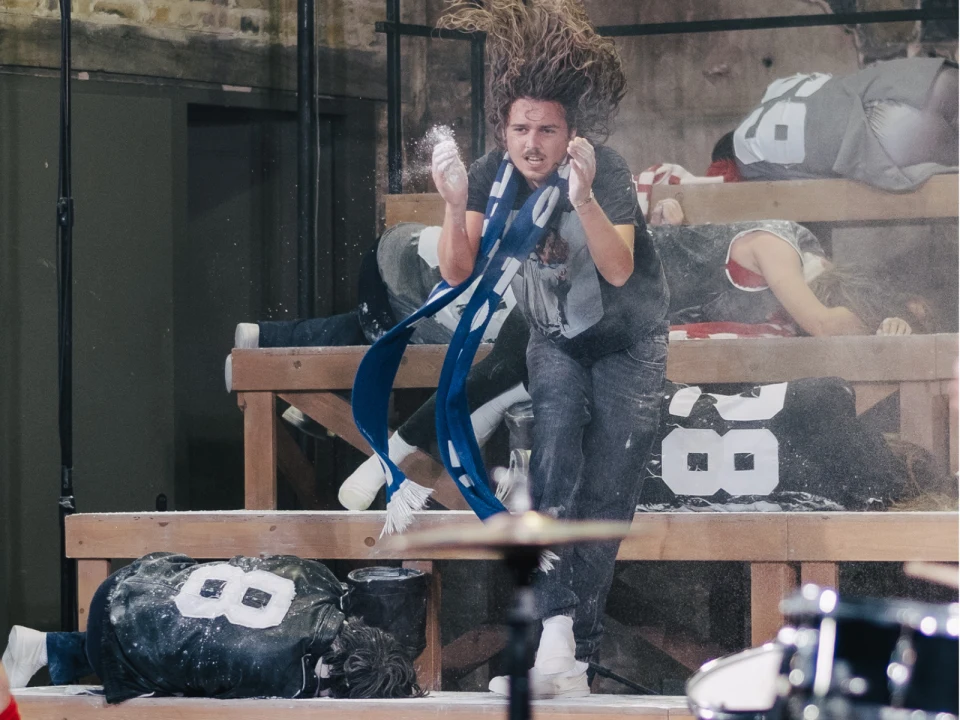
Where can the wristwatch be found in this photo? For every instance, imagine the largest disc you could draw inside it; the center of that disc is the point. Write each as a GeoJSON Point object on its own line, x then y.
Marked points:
{"type": "Point", "coordinates": [590, 198]}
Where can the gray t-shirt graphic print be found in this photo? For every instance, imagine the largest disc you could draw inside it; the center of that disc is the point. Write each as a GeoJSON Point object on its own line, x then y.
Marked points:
{"type": "Point", "coordinates": [558, 282]}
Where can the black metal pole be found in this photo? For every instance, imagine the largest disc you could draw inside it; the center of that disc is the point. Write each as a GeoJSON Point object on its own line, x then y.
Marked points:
{"type": "Point", "coordinates": [477, 121]}
{"type": "Point", "coordinates": [394, 110]}
{"type": "Point", "coordinates": [66, 503]}
{"type": "Point", "coordinates": [946, 12]}
{"type": "Point", "coordinates": [306, 161]}
{"type": "Point", "coordinates": [522, 562]}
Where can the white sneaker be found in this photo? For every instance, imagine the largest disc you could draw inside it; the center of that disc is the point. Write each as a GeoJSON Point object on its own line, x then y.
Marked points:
{"type": "Point", "coordinates": [228, 373]}
{"type": "Point", "coordinates": [26, 653]}
{"type": "Point", "coordinates": [543, 686]}
{"type": "Point", "coordinates": [247, 336]}
{"type": "Point", "coordinates": [360, 489]}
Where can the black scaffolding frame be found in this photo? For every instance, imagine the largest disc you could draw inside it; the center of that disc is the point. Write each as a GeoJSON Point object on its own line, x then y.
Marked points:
{"type": "Point", "coordinates": [394, 30]}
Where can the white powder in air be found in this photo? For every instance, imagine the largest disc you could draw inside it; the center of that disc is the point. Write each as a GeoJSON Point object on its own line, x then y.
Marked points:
{"type": "Point", "coordinates": [419, 168]}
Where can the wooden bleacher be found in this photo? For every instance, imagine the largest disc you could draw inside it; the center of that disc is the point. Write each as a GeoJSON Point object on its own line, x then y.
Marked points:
{"type": "Point", "coordinates": [783, 549]}
{"type": "Point", "coordinates": [57, 704]}
{"type": "Point", "coordinates": [833, 201]}
{"type": "Point", "coordinates": [919, 367]}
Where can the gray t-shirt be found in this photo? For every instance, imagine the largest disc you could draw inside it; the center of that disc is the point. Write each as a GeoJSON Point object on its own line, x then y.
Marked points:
{"type": "Point", "coordinates": [559, 289]}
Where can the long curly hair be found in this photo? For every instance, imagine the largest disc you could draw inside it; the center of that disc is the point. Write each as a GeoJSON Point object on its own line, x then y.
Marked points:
{"type": "Point", "coordinates": [545, 50]}
{"type": "Point", "coordinates": [366, 662]}
{"type": "Point", "coordinates": [871, 299]}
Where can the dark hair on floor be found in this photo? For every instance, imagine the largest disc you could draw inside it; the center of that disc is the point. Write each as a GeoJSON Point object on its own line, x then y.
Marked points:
{"type": "Point", "coordinates": [723, 150]}
{"type": "Point", "coordinates": [927, 483]}
{"type": "Point", "coordinates": [366, 662]}
{"type": "Point", "coordinates": [871, 298]}
{"type": "Point", "coordinates": [545, 50]}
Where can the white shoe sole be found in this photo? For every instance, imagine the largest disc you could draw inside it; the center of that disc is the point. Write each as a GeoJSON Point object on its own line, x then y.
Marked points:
{"type": "Point", "coordinates": [546, 687]}
{"type": "Point", "coordinates": [228, 373]}
{"type": "Point", "coordinates": [25, 654]}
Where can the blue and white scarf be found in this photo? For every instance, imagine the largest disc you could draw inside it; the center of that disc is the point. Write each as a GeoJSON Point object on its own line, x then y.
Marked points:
{"type": "Point", "coordinates": [497, 262]}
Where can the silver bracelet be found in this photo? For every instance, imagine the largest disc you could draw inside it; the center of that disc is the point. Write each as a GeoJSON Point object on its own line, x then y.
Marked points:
{"type": "Point", "coordinates": [590, 198]}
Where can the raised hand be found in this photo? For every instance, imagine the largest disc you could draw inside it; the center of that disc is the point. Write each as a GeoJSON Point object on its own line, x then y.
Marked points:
{"type": "Point", "coordinates": [449, 173]}
{"type": "Point", "coordinates": [583, 170]}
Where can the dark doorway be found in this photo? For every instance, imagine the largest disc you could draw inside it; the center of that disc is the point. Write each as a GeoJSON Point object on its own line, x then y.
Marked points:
{"type": "Point", "coordinates": [238, 263]}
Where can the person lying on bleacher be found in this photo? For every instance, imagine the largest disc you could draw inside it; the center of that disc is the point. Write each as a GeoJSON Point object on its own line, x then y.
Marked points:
{"type": "Point", "coordinates": [892, 125]}
{"type": "Point", "coordinates": [723, 278]}
{"type": "Point", "coordinates": [269, 626]}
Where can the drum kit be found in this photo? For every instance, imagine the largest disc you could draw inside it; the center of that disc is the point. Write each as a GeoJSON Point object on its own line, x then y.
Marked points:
{"type": "Point", "coordinates": [850, 659]}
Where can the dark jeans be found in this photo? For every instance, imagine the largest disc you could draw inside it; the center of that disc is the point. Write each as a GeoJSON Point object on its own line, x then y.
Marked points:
{"type": "Point", "coordinates": [337, 330]}
{"type": "Point", "coordinates": [503, 369]}
{"type": "Point", "coordinates": [74, 655]}
{"type": "Point", "coordinates": [593, 430]}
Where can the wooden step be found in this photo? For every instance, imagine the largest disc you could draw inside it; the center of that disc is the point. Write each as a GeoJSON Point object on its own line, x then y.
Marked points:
{"type": "Point", "coordinates": [67, 703]}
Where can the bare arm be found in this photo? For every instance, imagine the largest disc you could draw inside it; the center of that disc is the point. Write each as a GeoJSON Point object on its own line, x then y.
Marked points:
{"type": "Point", "coordinates": [459, 243]}
{"type": "Point", "coordinates": [782, 270]}
{"type": "Point", "coordinates": [610, 246]}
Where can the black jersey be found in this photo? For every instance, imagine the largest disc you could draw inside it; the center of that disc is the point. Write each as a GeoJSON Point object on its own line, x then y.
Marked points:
{"type": "Point", "coordinates": [246, 627]}
{"type": "Point", "coordinates": [799, 439]}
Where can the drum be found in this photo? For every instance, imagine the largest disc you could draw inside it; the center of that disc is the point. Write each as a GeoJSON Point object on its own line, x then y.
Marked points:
{"type": "Point", "coordinates": [867, 657]}
{"type": "Point", "coordinates": [736, 687]}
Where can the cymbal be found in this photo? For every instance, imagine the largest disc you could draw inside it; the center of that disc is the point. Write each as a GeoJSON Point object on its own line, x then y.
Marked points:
{"type": "Point", "coordinates": [503, 530]}
{"type": "Point", "coordinates": [940, 573]}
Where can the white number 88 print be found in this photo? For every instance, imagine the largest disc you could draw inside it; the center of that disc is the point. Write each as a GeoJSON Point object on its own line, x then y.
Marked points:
{"type": "Point", "coordinates": [229, 603]}
{"type": "Point", "coordinates": [720, 472]}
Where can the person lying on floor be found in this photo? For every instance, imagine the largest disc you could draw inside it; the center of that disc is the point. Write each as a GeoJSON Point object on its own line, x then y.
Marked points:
{"type": "Point", "coordinates": [892, 125]}
{"type": "Point", "coordinates": [167, 625]}
{"type": "Point", "coordinates": [771, 272]}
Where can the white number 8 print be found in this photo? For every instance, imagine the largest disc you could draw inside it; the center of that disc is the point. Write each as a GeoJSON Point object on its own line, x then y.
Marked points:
{"type": "Point", "coordinates": [229, 603]}
{"type": "Point", "coordinates": [720, 472]}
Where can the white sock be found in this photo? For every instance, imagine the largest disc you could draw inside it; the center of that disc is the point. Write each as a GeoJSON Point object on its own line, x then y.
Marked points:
{"type": "Point", "coordinates": [557, 646]}
{"type": "Point", "coordinates": [360, 489]}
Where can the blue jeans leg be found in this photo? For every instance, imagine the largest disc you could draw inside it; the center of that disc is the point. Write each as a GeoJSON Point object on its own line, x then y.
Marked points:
{"type": "Point", "coordinates": [628, 392]}
{"type": "Point", "coordinates": [592, 434]}
{"type": "Point", "coordinates": [67, 657]}
{"type": "Point", "coordinates": [561, 390]}
{"type": "Point", "coordinates": [333, 331]}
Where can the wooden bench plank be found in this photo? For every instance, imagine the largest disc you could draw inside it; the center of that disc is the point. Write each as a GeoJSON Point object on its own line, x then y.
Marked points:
{"type": "Point", "coordinates": [330, 368]}
{"type": "Point", "coordinates": [56, 703]}
{"type": "Point", "coordinates": [855, 358]}
{"type": "Point", "coordinates": [746, 537]}
{"type": "Point", "coordinates": [826, 200]}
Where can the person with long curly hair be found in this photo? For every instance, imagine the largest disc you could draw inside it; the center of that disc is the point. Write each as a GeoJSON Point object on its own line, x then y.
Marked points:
{"type": "Point", "coordinates": [592, 291]}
